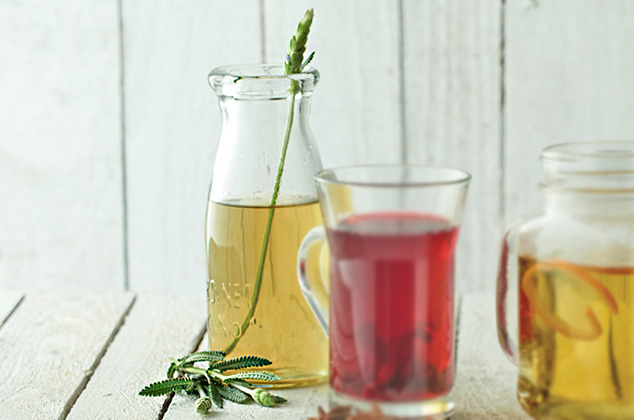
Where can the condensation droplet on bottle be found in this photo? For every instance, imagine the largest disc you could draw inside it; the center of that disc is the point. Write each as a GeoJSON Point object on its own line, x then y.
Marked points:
{"type": "Point", "coordinates": [238, 329]}
{"type": "Point", "coordinates": [211, 291]}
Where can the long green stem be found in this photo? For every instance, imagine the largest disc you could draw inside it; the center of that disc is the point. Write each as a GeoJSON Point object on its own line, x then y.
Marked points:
{"type": "Point", "coordinates": [204, 372]}
{"type": "Point", "coordinates": [195, 370]}
{"type": "Point", "coordinates": [242, 388]}
{"type": "Point", "coordinates": [267, 230]}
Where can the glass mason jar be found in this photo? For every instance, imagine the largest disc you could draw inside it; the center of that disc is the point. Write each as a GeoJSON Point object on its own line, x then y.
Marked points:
{"type": "Point", "coordinates": [255, 305]}
{"type": "Point", "coordinates": [565, 294]}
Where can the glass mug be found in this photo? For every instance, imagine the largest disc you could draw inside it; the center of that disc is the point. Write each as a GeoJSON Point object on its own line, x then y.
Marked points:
{"type": "Point", "coordinates": [566, 287]}
{"type": "Point", "coordinates": [392, 233]}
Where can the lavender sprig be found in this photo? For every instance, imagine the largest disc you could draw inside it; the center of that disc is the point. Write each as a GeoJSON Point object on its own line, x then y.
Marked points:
{"type": "Point", "coordinates": [292, 65]}
{"type": "Point", "coordinates": [296, 49]}
{"type": "Point", "coordinates": [213, 384]}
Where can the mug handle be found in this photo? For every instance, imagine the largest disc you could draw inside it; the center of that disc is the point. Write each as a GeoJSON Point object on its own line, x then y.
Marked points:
{"type": "Point", "coordinates": [507, 290]}
{"type": "Point", "coordinates": [317, 234]}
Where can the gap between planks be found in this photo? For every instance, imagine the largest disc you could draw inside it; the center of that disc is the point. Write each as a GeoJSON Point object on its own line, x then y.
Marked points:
{"type": "Point", "coordinates": [124, 169]}
{"type": "Point", "coordinates": [170, 397]}
{"type": "Point", "coordinates": [82, 385]}
{"type": "Point", "coordinates": [501, 185]}
{"type": "Point", "coordinates": [9, 303]}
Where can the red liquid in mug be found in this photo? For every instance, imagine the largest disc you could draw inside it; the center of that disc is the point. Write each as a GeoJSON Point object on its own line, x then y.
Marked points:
{"type": "Point", "coordinates": [392, 308]}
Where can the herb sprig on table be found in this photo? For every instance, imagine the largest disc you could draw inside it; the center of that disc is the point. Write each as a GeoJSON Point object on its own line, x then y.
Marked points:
{"type": "Point", "coordinates": [213, 384]}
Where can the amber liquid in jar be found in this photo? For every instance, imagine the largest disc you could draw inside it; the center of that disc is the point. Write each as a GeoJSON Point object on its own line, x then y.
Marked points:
{"type": "Point", "coordinates": [576, 340]}
{"type": "Point", "coordinates": [283, 329]}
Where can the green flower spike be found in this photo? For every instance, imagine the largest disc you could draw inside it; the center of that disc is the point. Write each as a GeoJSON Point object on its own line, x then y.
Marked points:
{"type": "Point", "coordinates": [262, 397]}
{"type": "Point", "coordinates": [203, 405]}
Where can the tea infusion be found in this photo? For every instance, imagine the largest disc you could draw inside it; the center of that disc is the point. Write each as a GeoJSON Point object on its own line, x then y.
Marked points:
{"type": "Point", "coordinates": [283, 328]}
{"type": "Point", "coordinates": [392, 309]}
{"type": "Point", "coordinates": [576, 341]}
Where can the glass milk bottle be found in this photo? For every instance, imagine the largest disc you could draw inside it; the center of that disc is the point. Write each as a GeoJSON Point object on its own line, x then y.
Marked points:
{"type": "Point", "coordinates": [254, 302]}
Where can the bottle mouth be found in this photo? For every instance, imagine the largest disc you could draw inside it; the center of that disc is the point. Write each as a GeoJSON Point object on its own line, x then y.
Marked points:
{"type": "Point", "coordinates": [602, 166]}
{"type": "Point", "coordinates": [260, 81]}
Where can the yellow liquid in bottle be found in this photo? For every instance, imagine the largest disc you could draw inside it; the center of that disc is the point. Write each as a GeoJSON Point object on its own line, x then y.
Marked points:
{"type": "Point", "coordinates": [283, 329]}
{"type": "Point", "coordinates": [571, 365]}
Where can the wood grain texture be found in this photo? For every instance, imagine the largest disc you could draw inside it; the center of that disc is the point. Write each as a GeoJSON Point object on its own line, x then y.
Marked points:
{"type": "Point", "coordinates": [356, 106]}
{"type": "Point", "coordinates": [69, 335]}
{"type": "Point", "coordinates": [48, 348]}
{"type": "Point", "coordinates": [8, 302]}
{"type": "Point", "coordinates": [452, 110]}
{"type": "Point", "coordinates": [569, 78]}
{"type": "Point", "coordinates": [172, 128]}
{"type": "Point", "coordinates": [158, 327]}
{"type": "Point", "coordinates": [60, 147]}
{"type": "Point", "coordinates": [485, 382]}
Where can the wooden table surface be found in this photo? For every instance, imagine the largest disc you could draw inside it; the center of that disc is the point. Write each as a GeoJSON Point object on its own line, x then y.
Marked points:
{"type": "Point", "coordinates": [87, 357]}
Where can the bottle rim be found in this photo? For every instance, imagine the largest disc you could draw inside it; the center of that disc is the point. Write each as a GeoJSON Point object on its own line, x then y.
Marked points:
{"type": "Point", "coordinates": [591, 149]}
{"type": "Point", "coordinates": [393, 176]}
{"type": "Point", "coordinates": [260, 81]}
{"type": "Point", "coordinates": [589, 167]}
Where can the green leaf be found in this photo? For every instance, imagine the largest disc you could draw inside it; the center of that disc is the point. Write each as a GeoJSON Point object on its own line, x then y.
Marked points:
{"type": "Point", "coordinates": [204, 356]}
{"type": "Point", "coordinates": [263, 397]}
{"type": "Point", "coordinates": [165, 387]}
{"type": "Point", "coordinates": [215, 395]}
{"type": "Point", "coordinates": [238, 382]}
{"type": "Point", "coordinates": [297, 45]}
{"type": "Point", "coordinates": [232, 394]}
{"type": "Point", "coordinates": [257, 375]}
{"type": "Point", "coordinates": [202, 405]}
{"type": "Point", "coordinates": [171, 371]}
{"type": "Point", "coordinates": [241, 362]}
{"type": "Point", "coordinates": [190, 388]}
{"type": "Point", "coordinates": [308, 60]}
{"type": "Point", "coordinates": [279, 400]}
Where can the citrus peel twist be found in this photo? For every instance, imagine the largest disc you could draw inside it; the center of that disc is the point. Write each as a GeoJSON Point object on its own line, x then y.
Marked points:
{"type": "Point", "coordinates": [556, 323]}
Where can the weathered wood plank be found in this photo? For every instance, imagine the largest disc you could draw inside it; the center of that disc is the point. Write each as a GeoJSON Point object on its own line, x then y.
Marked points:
{"type": "Point", "coordinates": [569, 67]}
{"type": "Point", "coordinates": [302, 403]}
{"type": "Point", "coordinates": [356, 106]}
{"type": "Point", "coordinates": [60, 148]}
{"type": "Point", "coordinates": [172, 129]}
{"type": "Point", "coordinates": [8, 302]}
{"type": "Point", "coordinates": [158, 327]}
{"type": "Point", "coordinates": [485, 383]}
{"type": "Point", "coordinates": [48, 349]}
{"type": "Point", "coordinates": [452, 111]}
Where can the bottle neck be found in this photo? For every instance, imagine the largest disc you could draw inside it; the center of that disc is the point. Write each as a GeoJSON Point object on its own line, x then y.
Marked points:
{"type": "Point", "coordinates": [597, 203]}
{"type": "Point", "coordinates": [260, 125]}
{"type": "Point", "coordinates": [595, 178]}
{"type": "Point", "coordinates": [254, 138]}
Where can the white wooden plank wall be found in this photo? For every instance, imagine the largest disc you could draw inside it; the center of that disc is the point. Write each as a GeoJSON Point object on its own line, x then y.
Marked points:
{"type": "Point", "coordinates": [108, 127]}
{"type": "Point", "coordinates": [61, 214]}
{"type": "Point", "coordinates": [356, 106]}
{"type": "Point", "coordinates": [172, 128]}
{"type": "Point", "coordinates": [569, 77]}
